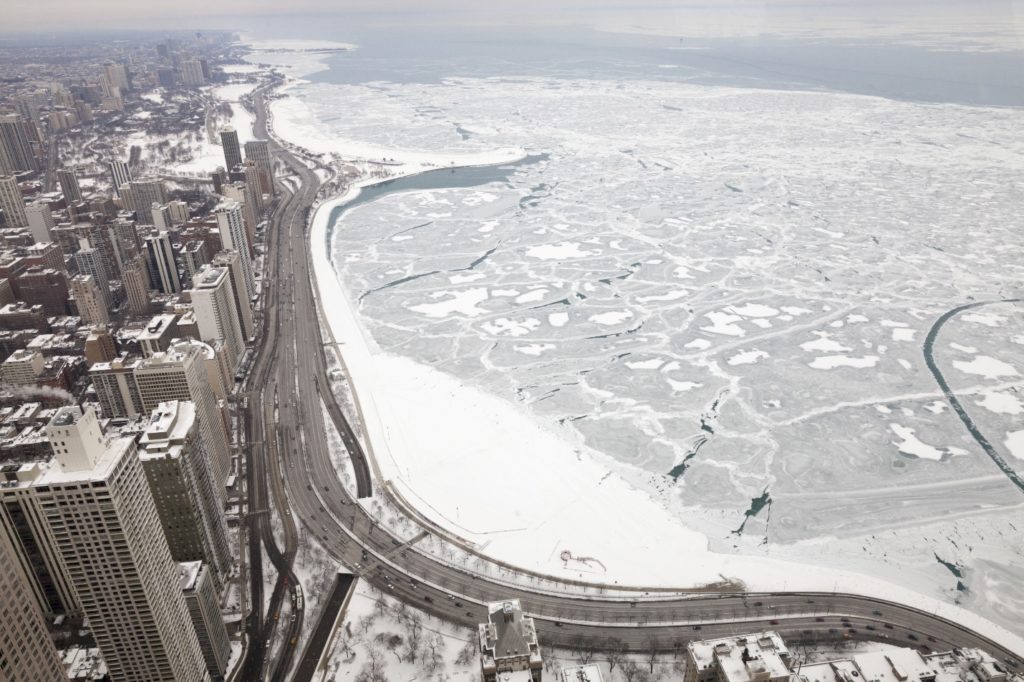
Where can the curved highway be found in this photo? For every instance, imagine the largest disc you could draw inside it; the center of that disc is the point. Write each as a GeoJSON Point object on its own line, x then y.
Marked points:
{"type": "Point", "coordinates": [565, 614]}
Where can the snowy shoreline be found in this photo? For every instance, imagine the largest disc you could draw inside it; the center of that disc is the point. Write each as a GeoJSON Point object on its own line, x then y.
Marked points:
{"type": "Point", "coordinates": [392, 429]}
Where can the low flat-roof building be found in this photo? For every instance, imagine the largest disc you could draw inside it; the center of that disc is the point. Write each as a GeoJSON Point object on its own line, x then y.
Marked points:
{"type": "Point", "coordinates": [759, 657]}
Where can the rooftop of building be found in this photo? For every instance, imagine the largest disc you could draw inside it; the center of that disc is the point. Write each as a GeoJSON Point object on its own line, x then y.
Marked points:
{"type": "Point", "coordinates": [53, 475]}
{"type": "Point", "coordinates": [157, 326]}
{"type": "Point", "coordinates": [170, 422]}
{"type": "Point", "coordinates": [189, 572]}
{"type": "Point", "coordinates": [744, 657]}
{"type": "Point", "coordinates": [509, 632]}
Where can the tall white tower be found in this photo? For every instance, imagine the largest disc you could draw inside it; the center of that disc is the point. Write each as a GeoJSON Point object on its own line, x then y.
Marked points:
{"type": "Point", "coordinates": [213, 300]}
{"type": "Point", "coordinates": [103, 518]}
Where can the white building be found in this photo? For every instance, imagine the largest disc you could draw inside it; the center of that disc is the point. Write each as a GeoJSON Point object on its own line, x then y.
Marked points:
{"type": "Point", "coordinates": [234, 237]}
{"type": "Point", "coordinates": [103, 519]}
{"type": "Point", "coordinates": [92, 308]}
{"type": "Point", "coordinates": [759, 657]}
{"type": "Point", "coordinates": [40, 221]}
{"type": "Point", "coordinates": [213, 300]}
{"type": "Point", "coordinates": [232, 260]}
{"type": "Point", "coordinates": [22, 367]}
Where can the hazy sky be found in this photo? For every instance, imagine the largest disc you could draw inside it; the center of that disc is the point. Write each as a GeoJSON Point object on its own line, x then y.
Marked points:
{"type": "Point", "coordinates": [700, 16]}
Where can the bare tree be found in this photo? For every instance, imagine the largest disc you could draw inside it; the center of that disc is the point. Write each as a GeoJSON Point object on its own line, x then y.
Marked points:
{"type": "Point", "coordinates": [374, 668]}
{"type": "Point", "coordinates": [380, 605]}
{"type": "Point", "coordinates": [467, 654]}
{"type": "Point", "coordinates": [630, 671]}
{"type": "Point", "coordinates": [433, 657]}
{"type": "Point", "coordinates": [582, 649]}
{"type": "Point", "coordinates": [414, 637]}
{"type": "Point", "coordinates": [616, 650]}
{"type": "Point", "coordinates": [651, 646]}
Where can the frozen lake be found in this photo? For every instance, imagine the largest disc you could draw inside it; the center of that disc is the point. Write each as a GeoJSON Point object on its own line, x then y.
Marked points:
{"type": "Point", "coordinates": [721, 295]}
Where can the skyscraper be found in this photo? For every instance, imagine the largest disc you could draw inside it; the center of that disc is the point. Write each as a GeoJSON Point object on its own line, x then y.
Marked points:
{"type": "Point", "coordinates": [23, 522]}
{"type": "Point", "coordinates": [233, 236]}
{"type": "Point", "coordinates": [135, 280]}
{"type": "Point", "coordinates": [120, 174]}
{"type": "Point", "coordinates": [26, 651]}
{"type": "Point", "coordinates": [69, 185]}
{"type": "Point", "coordinates": [207, 618]}
{"type": "Point", "coordinates": [213, 300]}
{"type": "Point", "coordinates": [162, 265]}
{"type": "Point", "coordinates": [116, 76]}
{"type": "Point", "coordinates": [232, 260]}
{"type": "Point", "coordinates": [258, 151]}
{"type": "Point", "coordinates": [40, 221]}
{"type": "Point", "coordinates": [232, 152]}
{"type": "Point", "coordinates": [180, 374]}
{"type": "Point", "coordinates": [89, 261]}
{"type": "Point", "coordinates": [15, 145]}
{"type": "Point", "coordinates": [240, 193]}
{"type": "Point", "coordinates": [181, 478]}
{"type": "Point", "coordinates": [192, 73]}
{"type": "Point", "coordinates": [140, 195]}
{"type": "Point", "coordinates": [92, 307]}
{"type": "Point", "coordinates": [103, 519]}
{"type": "Point", "coordinates": [116, 387]}
{"type": "Point", "coordinates": [12, 202]}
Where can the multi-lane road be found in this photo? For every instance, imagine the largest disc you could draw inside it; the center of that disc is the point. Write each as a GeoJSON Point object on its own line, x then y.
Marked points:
{"type": "Point", "coordinates": [290, 371]}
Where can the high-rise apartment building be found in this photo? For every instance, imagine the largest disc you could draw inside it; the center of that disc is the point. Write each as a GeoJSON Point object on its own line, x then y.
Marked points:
{"type": "Point", "coordinates": [240, 193]}
{"type": "Point", "coordinates": [232, 151]}
{"type": "Point", "coordinates": [116, 76]}
{"type": "Point", "coordinates": [90, 261]}
{"type": "Point", "coordinates": [234, 237]}
{"type": "Point", "coordinates": [139, 196]}
{"type": "Point", "coordinates": [116, 388]}
{"type": "Point", "coordinates": [201, 598]}
{"type": "Point", "coordinates": [258, 151]}
{"type": "Point", "coordinates": [180, 374]}
{"type": "Point", "coordinates": [163, 268]}
{"type": "Point", "coordinates": [254, 188]}
{"type": "Point", "coordinates": [92, 307]}
{"type": "Point", "coordinates": [12, 202]}
{"type": "Point", "coordinates": [213, 300]}
{"type": "Point", "coordinates": [192, 73]}
{"type": "Point", "coordinates": [27, 653]}
{"type": "Point", "coordinates": [181, 478]}
{"type": "Point", "coordinates": [15, 145]}
{"type": "Point", "coordinates": [40, 221]}
{"type": "Point", "coordinates": [232, 260]}
{"type": "Point", "coordinates": [120, 174]}
{"type": "Point", "coordinates": [69, 185]}
{"type": "Point", "coordinates": [135, 280]}
{"type": "Point", "coordinates": [104, 521]}
{"type": "Point", "coordinates": [22, 521]}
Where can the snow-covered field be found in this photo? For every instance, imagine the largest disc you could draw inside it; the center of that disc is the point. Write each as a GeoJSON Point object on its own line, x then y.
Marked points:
{"type": "Point", "coordinates": [691, 329]}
